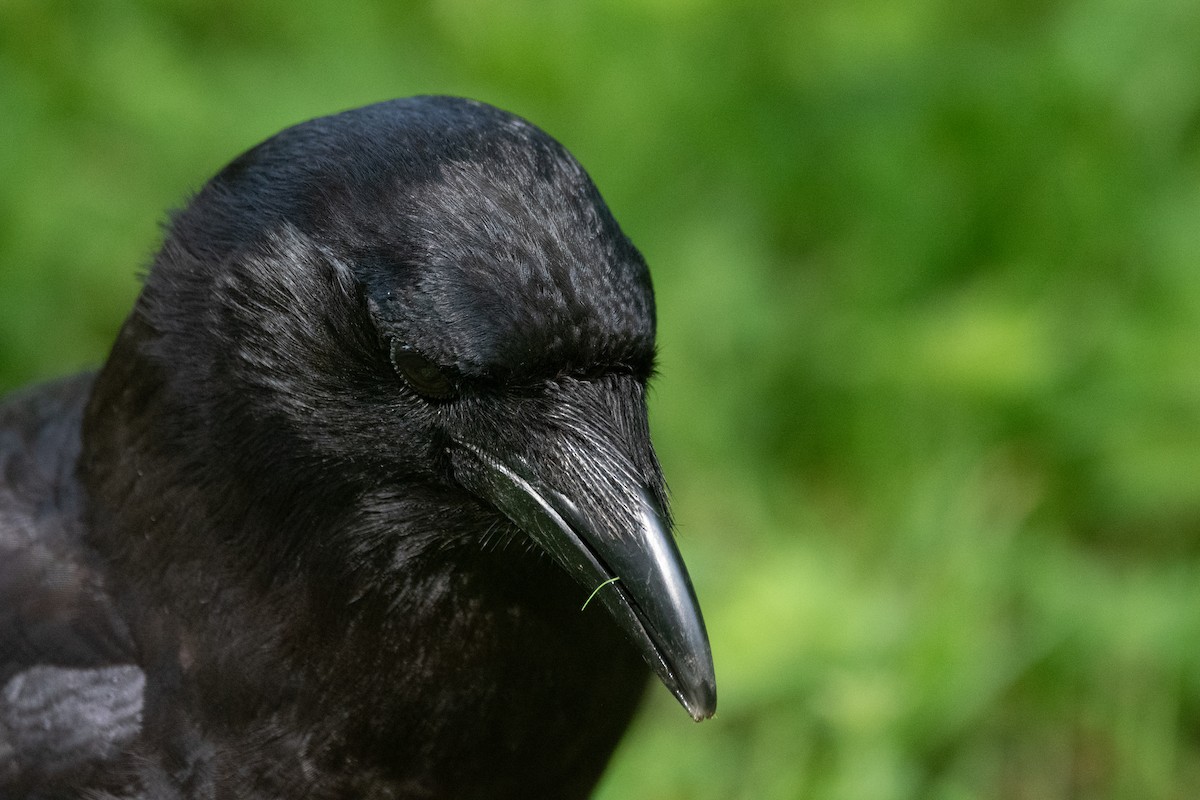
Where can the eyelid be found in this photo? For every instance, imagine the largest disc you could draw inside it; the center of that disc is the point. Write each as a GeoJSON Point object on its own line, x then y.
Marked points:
{"type": "Point", "coordinates": [423, 375]}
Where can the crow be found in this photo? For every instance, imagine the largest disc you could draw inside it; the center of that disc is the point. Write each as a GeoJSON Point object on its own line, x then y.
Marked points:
{"type": "Point", "coordinates": [363, 502]}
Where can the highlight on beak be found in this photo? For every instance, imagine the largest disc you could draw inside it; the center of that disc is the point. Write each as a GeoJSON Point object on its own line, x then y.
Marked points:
{"type": "Point", "coordinates": [626, 548]}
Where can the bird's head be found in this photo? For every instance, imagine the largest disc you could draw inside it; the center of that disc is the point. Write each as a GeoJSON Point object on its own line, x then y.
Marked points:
{"type": "Point", "coordinates": [429, 295]}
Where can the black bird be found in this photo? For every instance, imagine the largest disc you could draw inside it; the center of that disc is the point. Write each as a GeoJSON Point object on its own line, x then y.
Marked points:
{"type": "Point", "coordinates": [323, 523]}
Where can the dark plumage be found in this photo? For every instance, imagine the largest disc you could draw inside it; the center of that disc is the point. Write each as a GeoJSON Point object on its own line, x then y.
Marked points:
{"type": "Point", "coordinates": [323, 523]}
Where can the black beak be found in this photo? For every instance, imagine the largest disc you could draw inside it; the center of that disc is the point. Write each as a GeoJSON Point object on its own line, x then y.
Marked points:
{"type": "Point", "coordinates": [583, 504]}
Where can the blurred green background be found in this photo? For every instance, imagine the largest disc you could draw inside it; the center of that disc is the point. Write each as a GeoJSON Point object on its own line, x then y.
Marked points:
{"type": "Point", "coordinates": [930, 332]}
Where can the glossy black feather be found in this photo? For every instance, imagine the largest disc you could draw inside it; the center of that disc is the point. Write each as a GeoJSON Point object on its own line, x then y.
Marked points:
{"type": "Point", "coordinates": [254, 512]}
{"type": "Point", "coordinates": [70, 695]}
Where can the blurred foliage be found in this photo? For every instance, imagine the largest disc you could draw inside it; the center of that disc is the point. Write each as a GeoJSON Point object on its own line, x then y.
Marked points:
{"type": "Point", "coordinates": [929, 299]}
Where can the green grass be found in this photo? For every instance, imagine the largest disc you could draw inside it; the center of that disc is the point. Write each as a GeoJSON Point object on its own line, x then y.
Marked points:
{"type": "Point", "coordinates": [596, 591]}
{"type": "Point", "coordinates": [929, 309]}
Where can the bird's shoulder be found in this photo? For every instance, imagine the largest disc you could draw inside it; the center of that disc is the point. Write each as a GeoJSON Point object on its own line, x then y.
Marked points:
{"type": "Point", "coordinates": [70, 695]}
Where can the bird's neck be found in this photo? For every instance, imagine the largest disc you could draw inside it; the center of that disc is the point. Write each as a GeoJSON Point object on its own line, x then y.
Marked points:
{"type": "Point", "coordinates": [386, 626]}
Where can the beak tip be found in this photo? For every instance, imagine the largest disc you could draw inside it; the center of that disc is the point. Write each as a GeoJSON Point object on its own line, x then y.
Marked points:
{"type": "Point", "coordinates": [697, 693]}
{"type": "Point", "coordinates": [704, 705]}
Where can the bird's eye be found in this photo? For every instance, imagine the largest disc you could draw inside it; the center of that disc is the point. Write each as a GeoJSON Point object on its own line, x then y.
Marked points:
{"type": "Point", "coordinates": [426, 378]}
